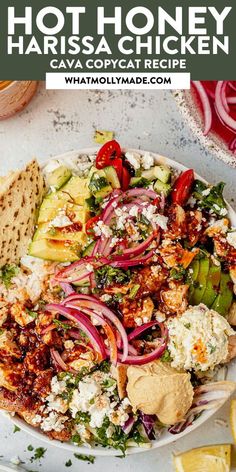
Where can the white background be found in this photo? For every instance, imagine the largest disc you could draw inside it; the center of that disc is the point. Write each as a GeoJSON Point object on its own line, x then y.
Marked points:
{"type": "Point", "coordinates": [59, 121]}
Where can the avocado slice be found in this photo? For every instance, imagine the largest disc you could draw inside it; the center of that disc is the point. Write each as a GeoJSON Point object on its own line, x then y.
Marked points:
{"type": "Point", "coordinates": [212, 287]}
{"type": "Point", "coordinates": [224, 299]}
{"type": "Point", "coordinates": [88, 249]}
{"type": "Point", "coordinates": [46, 231]}
{"type": "Point", "coordinates": [59, 177]}
{"type": "Point", "coordinates": [201, 281]}
{"type": "Point", "coordinates": [192, 276]}
{"type": "Point", "coordinates": [75, 190]}
{"type": "Point", "coordinates": [54, 250]}
{"type": "Point", "coordinates": [50, 207]}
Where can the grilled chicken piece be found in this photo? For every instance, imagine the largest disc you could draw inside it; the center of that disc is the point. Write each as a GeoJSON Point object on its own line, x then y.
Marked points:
{"type": "Point", "coordinates": [63, 436]}
{"type": "Point", "coordinates": [8, 347]}
{"type": "Point", "coordinates": [177, 225]}
{"type": "Point", "coordinates": [42, 383]}
{"type": "Point", "coordinates": [136, 312]}
{"type": "Point", "coordinates": [52, 339]}
{"type": "Point", "coordinates": [195, 226]}
{"type": "Point", "coordinates": [38, 360]}
{"type": "Point", "coordinates": [225, 250]}
{"type": "Point", "coordinates": [20, 314]}
{"type": "Point", "coordinates": [9, 401]}
{"type": "Point", "coordinates": [7, 378]}
{"type": "Point", "coordinates": [150, 279]}
{"type": "Point", "coordinates": [120, 374]}
{"type": "Point", "coordinates": [174, 299]}
{"type": "Point", "coordinates": [174, 255]}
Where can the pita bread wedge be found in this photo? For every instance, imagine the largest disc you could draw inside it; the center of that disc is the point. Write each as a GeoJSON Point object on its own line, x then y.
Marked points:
{"type": "Point", "coordinates": [21, 193]}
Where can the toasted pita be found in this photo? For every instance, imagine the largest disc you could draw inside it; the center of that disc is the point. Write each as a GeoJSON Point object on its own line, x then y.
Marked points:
{"type": "Point", "coordinates": [21, 193]}
{"type": "Point", "coordinates": [120, 374]}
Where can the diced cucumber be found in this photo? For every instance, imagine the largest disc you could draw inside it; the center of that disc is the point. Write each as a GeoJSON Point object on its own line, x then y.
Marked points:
{"type": "Point", "coordinates": [139, 182]}
{"type": "Point", "coordinates": [161, 187]}
{"type": "Point", "coordinates": [89, 249]}
{"type": "Point", "coordinates": [99, 185]}
{"type": "Point", "coordinates": [112, 176]}
{"type": "Point", "coordinates": [59, 177]}
{"type": "Point", "coordinates": [161, 173]}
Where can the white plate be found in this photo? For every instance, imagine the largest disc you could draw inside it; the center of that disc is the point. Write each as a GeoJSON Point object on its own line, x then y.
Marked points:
{"type": "Point", "coordinates": [166, 437]}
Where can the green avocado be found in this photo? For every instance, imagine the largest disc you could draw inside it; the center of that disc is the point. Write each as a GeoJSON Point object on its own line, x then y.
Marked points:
{"type": "Point", "coordinates": [224, 299]}
{"type": "Point", "coordinates": [59, 177]}
{"type": "Point", "coordinates": [212, 287]}
{"type": "Point", "coordinates": [192, 276]}
{"type": "Point", "coordinates": [201, 281]}
{"type": "Point", "coordinates": [54, 250]}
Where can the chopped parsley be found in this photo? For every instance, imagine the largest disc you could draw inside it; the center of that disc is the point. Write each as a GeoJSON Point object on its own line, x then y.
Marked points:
{"type": "Point", "coordinates": [212, 348]}
{"type": "Point", "coordinates": [166, 357]}
{"type": "Point", "coordinates": [214, 200]}
{"type": "Point", "coordinates": [83, 457]}
{"type": "Point", "coordinates": [108, 275]}
{"type": "Point", "coordinates": [31, 313]}
{"type": "Point", "coordinates": [30, 448]}
{"type": "Point", "coordinates": [82, 417]}
{"type": "Point", "coordinates": [108, 383]}
{"type": "Point", "coordinates": [178, 273]}
{"type": "Point", "coordinates": [68, 463]}
{"type": "Point", "coordinates": [16, 428]}
{"type": "Point", "coordinates": [7, 272]}
{"type": "Point", "coordinates": [133, 291]}
{"type": "Point", "coordinates": [76, 439]}
{"type": "Point", "coordinates": [61, 325]}
{"type": "Point", "coordinates": [187, 325]}
{"type": "Point", "coordinates": [38, 454]}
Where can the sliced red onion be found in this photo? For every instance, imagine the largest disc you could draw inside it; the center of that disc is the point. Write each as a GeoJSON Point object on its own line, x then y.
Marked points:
{"type": "Point", "coordinates": [137, 331]}
{"type": "Point", "coordinates": [145, 358]}
{"type": "Point", "coordinates": [88, 301]}
{"type": "Point", "coordinates": [58, 360]}
{"type": "Point", "coordinates": [140, 192]}
{"type": "Point", "coordinates": [225, 116]}
{"type": "Point", "coordinates": [206, 106]}
{"type": "Point", "coordinates": [84, 324]}
{"type": "Point", "coordinates": [115, 262]}
{"type": "Point", "coordinates": [137, 250]}
{"type": "Point", "coordinates": [67, 288]}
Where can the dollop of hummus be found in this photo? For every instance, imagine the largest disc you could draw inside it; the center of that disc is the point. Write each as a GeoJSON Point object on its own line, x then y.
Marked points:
{"type": "Point", "coordinates": [158, 389]}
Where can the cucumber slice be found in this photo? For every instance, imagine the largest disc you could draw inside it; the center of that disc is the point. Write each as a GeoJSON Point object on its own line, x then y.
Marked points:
{"type": "Point", "coordinates": [224, 300]}
{"type": "Point", "coordinates": [59, 177]}
{"type": "Point", "coordinates": [112, 176]}
{"type": "Point", "coordinates": [89, 249]}
{"type": "Point", "coordinates": [161, 187]}
{"type": "Point", "coordinates": [161, 173]}
{"type": "Point", "coordinates": [99, 185]}
{"type": "Point", "coordinates": [139, 182]}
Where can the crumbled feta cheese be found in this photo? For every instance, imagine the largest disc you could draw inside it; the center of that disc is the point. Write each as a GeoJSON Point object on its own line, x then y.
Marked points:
{"type": "Point", "coordinates": [217, 227]}
{"type": "Point", "coordinates": [69, 344]}
{"type": "Point", "coordinates": [100, 228]}
{"type": "Point", "coordinates": [89, 267]}
{"type": "Point", "coordinates": [134, 159]}
{"type": "Point", "coordinates": [147, 161]}
{"type": "Point", "coordinates": [53, 422]}
{"type": "Point", "coordinates": [191, 202]}
{"type": "Point", "coordinates": [36, 420]}
{"type": "Point", "coordinates": [60, 221]}
{"type": "Point", "coordinates": [231, 239]}
{"type": "Point", "coordinates": [206, 192]}
{"type": "Point", "coordinates": [106, 297]}
{"type": "Point", "coordinates": [58, 386]}
{"type": "Point", "coordinates": [134, 211]}
{"type": "Point", "coordinates": [138, 321]}
{"type": "Point", "coordinates": [56, 403]}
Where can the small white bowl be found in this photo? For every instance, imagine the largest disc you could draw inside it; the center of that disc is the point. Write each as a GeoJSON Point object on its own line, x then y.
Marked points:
{"type": "Point", "coordinates": [166, 437]}
{"type": "Point", "coordinates": [193, 118]}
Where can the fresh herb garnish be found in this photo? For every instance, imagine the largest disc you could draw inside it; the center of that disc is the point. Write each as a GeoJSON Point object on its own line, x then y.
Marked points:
{"type": "Point", "coordinates": [166, 357]}
{"type": "Point", "coordinates": [214, 200]}
{"type": "Point", "coordinates": [82, 417]}
{"type": "Point", "coordinates": [16, 428]}
{"type": "Point", "coordinates": [108, 275]}
{"type": "Point", "coordinates": [7, 272]}
{"type": "Point", "coordinates": [212, 348]}
{"type": "Point", "coordinates": [83, 457]}
{"type": "Point", "coordinates": [76, 439]}
{"type": "Point", "coordinates": [133, 291]}
{"type": "Point", "coordinates": [31, 313]}
{"type": "Point", "coordinates": [108, 383]}
{"type": "Point", "coordinates": [187, 325]}
{"type": "Point", "coordinates": [178, 273]}
{"type": "Point", "coordinates": [61, 325]}
{"type": "Point", "coordinates": [30, 448]}
{"type": "Point", "coordinates": [68, 463]}
{"type": "Point", "coordinates": [38, 454]}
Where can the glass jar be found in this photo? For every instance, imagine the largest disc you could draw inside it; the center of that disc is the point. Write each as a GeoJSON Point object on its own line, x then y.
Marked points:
{"type": "Point", "coordinates": [14, 96]}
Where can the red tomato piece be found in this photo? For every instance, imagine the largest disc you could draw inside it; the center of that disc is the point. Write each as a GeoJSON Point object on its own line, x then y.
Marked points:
{"type": "Point", "coordinates": [182, 187]}
{"type": "Point", "coordinates": [125, 179]}
{"type": "Point", "coordinates": [89, 228]}
{"type": "Point", "coordinates": [118, 165]}
{"type": "Point", "coordinates": [107, 154]}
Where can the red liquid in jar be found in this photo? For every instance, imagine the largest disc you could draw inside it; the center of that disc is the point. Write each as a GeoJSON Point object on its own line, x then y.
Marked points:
{"type": "Point", "coordinates": [218, 129]}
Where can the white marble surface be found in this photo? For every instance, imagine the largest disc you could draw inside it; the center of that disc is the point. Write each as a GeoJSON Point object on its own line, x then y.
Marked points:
{"type": "Point", "coordinates": [59, 121]}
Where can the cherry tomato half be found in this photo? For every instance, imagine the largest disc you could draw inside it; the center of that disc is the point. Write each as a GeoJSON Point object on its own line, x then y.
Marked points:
{"type": "Point", "coordinates": [107, 154]}
{"type": "Point", "coordinates": [125, 179]}
{"type": "Point", "coordinates": [182, 187]}
{"type": "Point", "coordinates": [118, 165]}
{"type": "Point", "coordinates": [89, 228]}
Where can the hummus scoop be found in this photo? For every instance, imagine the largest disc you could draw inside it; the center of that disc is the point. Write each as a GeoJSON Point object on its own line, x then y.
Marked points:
{"type": "Point", "coordinates": [158, 389]}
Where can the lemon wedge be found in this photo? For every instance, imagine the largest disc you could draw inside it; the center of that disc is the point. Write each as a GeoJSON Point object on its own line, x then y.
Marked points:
{"type": "Point", "coordinates": [233, 419]}
{"type": "Point", "coordinates": [215, 458]}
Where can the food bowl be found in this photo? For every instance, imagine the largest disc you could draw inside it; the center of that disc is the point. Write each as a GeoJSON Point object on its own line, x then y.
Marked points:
{"type": "Point", "coordinates": [166, 437]}
{"type": "Point", "coordinates": [193, 118]}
